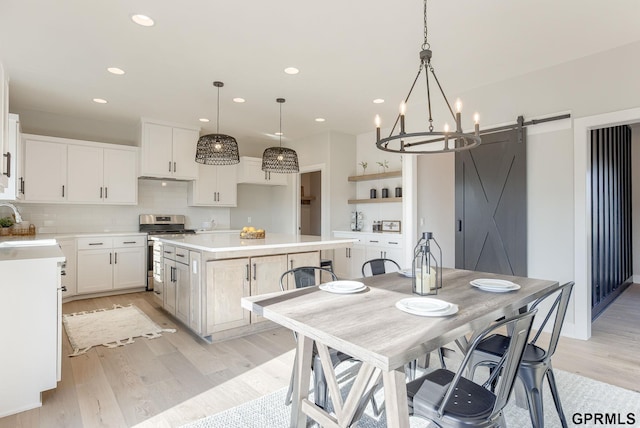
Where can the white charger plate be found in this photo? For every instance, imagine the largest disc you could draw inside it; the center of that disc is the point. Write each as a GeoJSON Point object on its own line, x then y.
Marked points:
{"type": "Point", "coordinates": [406, 272]}
{"type": "Point", "coordinates": [494, 285]}
{"type": "Point", "coordinates": [426, 307]}
{"type": "Point", "coordinates": [343, 287]}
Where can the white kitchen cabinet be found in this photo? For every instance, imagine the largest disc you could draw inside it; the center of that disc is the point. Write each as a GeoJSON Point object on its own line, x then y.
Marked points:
{"type": "Point", "coordinates": [111, 263]}
{"type": "Point", "coordinates": [101, 176]}
{"type": "Point", "coordinates": [216, 186]}
{"type": "Point", "coordinates": [347, 262]}
{"type": "Point", "coordinates": [4, 128]}
{"type": "Point", "coordinates": [15, 161]}
{"type": "Point", "coordinates": [265, 277]}
{"type": "Point", "coordinates": [45, 164]}
{"type": "Point", "coordinates": [168, 151]}
{"type": "Point", "coordinates": [250, 172]}
{"type": "Point", "coordinates": [68, 247]}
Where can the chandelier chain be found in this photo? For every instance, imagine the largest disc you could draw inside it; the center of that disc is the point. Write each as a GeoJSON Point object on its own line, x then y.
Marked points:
{"type": "Point", "coordinates": [426, 44]}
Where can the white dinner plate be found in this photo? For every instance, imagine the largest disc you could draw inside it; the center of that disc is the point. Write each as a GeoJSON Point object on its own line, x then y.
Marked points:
{"type": "Point", "coordinates": [495, 285]}
{"type": "Point", "coordinates": [343, 287]}
{"type": "Point", "coordinates": [426, 307]}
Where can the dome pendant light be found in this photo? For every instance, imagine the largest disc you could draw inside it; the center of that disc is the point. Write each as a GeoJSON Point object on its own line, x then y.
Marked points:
{"type": "Point", "coordinates": [280, 159]}
{"type": "Point", "coordinates": [426, 142]}
{"type": "Point", "coordinates": [217, 149]}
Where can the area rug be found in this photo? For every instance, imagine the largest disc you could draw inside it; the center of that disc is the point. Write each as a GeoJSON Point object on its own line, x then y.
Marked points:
{"type": "Point", "coordinates": [582, 398]}
{"type": "Point", "coordinates": [108, 327]}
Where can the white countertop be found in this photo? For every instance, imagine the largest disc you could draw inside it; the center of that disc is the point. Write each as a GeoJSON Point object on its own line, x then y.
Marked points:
{"type": "Point", "coordinates": [231, 241]}
{"type": "Point", "coordinates": [31, 252]}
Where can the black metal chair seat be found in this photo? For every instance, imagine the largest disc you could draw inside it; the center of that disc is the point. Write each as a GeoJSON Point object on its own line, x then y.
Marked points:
{"type": "Point", "coordinates": [497, 344]}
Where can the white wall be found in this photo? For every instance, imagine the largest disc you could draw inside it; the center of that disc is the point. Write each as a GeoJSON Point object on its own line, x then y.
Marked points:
{"type": "Point", "coordinates": [153, 198]}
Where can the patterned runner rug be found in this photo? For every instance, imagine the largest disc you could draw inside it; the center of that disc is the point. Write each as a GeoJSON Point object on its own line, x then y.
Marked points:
{"type": "Point", "coordinates": [108, 327]}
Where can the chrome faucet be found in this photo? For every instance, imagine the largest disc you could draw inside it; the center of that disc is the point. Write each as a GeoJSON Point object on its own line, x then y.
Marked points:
{"type": "Point", "coordinates": [15, 211]}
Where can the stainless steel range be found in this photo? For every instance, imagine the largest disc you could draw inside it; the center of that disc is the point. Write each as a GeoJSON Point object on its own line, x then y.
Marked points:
{"type": "Point", "coordinates": [159, 224]}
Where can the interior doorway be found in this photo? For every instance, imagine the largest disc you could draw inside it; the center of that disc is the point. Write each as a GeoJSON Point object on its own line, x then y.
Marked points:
{"type": "Point", "coordinates": [311, 203]}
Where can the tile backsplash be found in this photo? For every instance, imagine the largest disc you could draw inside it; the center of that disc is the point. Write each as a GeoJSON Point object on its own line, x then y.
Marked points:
{"type": "Point", "coordinates": [154, 197]}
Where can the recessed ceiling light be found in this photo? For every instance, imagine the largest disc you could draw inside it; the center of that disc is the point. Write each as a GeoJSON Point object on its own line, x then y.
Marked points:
{"type": "Point", "coordinates": [99, 101]}
{"type": "Point", "coordinates": [238, 100]}
{"type": "Point", "coordinates": [203, 119]}
{"type": "Point", "coordinates": [115, 70]}
{"type": "Point", "coordinates": [143, 20]}
{"type": "Point", "coordinates": [320, 119]}
{"type": "Point", "coordinates": [291, 70]}
{"type": "Point", "coordinates": [278, 133]}
{"type": "Point", "coordinates": [378, 101]}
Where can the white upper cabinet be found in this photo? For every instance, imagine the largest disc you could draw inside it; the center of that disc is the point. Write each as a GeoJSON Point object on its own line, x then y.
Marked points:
{"type": "Point", "coordinates": [4, 128]}
{"type": "Point", "coordinates": [216, 186]}
{"type": "Point", "coordinates": [251, 172]}
{"type": "Point", "coordinates": [80, 172]}
{"type": "Point", "coordinates": [45, 164]}
{"type": "Point", "coordinates": [168, 151]}
{"type": "Point", "coordinates": [15, 188]}
{"type": "Point", "coordinates": [99, 175]}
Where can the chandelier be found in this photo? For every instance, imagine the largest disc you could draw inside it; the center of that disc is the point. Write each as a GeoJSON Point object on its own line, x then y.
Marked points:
{"type": "Point", "coordinates": [280, 159]}
{"type": "Point", "coordinates": [217, 149]}
{"type": "Point", "coordinates": [431, 141]}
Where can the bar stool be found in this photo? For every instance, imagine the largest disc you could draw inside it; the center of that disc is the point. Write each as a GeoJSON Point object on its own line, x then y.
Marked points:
{"type": "Point", "coordinates": [326, 264]}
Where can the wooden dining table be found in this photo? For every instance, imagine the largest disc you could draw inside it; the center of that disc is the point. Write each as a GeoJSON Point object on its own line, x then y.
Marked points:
{"type": "Point", "coordinates": [369, 327]}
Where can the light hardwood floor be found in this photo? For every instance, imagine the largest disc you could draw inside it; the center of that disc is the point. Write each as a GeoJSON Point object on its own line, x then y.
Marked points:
{"type": "Point", "coordinates": [177, 378]}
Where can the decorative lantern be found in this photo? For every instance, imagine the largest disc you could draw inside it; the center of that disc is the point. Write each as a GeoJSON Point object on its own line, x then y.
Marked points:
{"type": "Point", "coordinates": [427, 266]}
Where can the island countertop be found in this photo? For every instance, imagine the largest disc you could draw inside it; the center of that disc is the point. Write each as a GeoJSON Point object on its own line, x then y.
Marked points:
{"type": "Point", "coordinates": [230, 245]}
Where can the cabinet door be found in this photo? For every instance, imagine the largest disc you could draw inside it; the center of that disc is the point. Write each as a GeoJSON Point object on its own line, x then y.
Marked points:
{"type": "Point", "coordinates": [310, 258]}
{"type": "Point", "coordinates": [95, 272]}
{"type": "Point", "coordinates": [183, 292]}
{"type": "Point", "coordinates": [84, 174]}
{"type": "Point", "coordinates": [195, 301]}
{"type": "Point", "coordinates": [120, 177]}
{"type": "Point", "coordinates": [202, 191]}
{"type": "Point", "coordinates": [45, 171]}
{"type": "Point", "coordinates": [251, 171]}
{"type": "Point", "coordinates": [13, 191]}
{"type": "Point", "coordinates": [157, 146]}
{"type": "Point", "coordinates": [342, 263]}
{"type": "Point", "coordinates": [129, 267]}
{"type": "Point", "coordinates": [227, 283]}
{"type": "Point", "coordinates": [358, 256]}
{"type": "Point", "coordinates": [4, 126]}
{"type": "Point", "coordinates": [265, 277]}
{"type": "Point", "coordinates": [227, 179]}
{"type": "Point", "coordinates": [169, 267]}
{"type": "Point", "coordinates": [184, 153]}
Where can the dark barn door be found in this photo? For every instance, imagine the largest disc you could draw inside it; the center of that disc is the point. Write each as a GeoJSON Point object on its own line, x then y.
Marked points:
{"type": "Point", "coordinates": [491, 205]}
{"type": "Point", "coordinates": [611, 244]}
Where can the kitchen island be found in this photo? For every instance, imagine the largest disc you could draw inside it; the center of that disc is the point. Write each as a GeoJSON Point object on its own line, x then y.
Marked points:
{"type": "Point", "coordinates": [30, 313]}
{"type": "Point", "coordinates": [200, 279]}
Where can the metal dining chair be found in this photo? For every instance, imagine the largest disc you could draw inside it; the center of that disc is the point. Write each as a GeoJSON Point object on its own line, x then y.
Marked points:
{"type": "Point", "coordinates": [308, 276]}
{"type": "Point", "coordinates": [449, 399]}
{"type": "Point", "coordinates": [379, 266]}
{"type": "Point", "coordinates": [536, 363]}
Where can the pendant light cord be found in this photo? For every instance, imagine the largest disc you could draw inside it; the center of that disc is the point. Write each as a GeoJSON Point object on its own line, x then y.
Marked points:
{"type": "Point", "coordinates": [218, 113]}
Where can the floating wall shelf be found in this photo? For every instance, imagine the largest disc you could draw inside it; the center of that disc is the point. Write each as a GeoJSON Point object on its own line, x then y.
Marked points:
{"type": "Point", "coordinates": [365, 177]}
{"type": "Point", "coordinates": [374, 201]}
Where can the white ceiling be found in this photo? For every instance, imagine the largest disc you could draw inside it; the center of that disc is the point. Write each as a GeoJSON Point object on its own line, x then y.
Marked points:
{"type": "Point", "coordinates": [348, 52]}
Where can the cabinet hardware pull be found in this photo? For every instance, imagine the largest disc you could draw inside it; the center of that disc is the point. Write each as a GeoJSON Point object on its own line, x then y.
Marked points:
{"type": "Point", "coordinates": [22, 185]}
{"type": "Point", "coordinates": [374, 241]}
{"type": "Point", "coordinates": [63, 288]}
{"type": "Point", "coordinates": [254, 272]}
{"type": "Point", "coordinates": [129, 242]}
{"type": "Point", "coordinates": [247, 269]}
{"type": "Point", "coordinates": [110, 258]}
{"type": "Point", "coordinates": [174, 167]}
{"type": "Point", "coordinates": [169, 166]}
{"type": "Point", "coordinates": [106, 189]}
{"type": "Point", "coordinates": [179, 255]}
{"type": "Point", "coordinates": [96, 243]}
{"type": "Point", "coordinates": [101, 193]}
{"type": "Point", "coordinates": [167, 252]}
{"type": "Point", "coordinates": [391, 242]}
{"type": "Point", "coordinates": [63, 190]}
{"type": "Point", "coordinates": [291, 263]}
{"type": "Point", "coordinates": [115, 262]}
{"type": "Point", "coordinates": [459, 225]}
{"type": "Point", "coordinates": [8, 156]}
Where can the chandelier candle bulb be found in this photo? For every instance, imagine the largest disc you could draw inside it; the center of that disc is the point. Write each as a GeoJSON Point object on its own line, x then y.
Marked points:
{"type": "Point", "coordinates": [377, 127]}
{"type": "Point", "coordinates": [476, 118]}
{"type": "Point", "coordinates": [446, 136]}
{"type": "Point", "coordinates": [403, 110]}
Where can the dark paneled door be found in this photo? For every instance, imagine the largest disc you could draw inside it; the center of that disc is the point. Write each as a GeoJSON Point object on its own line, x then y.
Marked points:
{"type": "Point", "coordinates": [491, 205]}
{"type": "Point", "coordinates": [611, 243]}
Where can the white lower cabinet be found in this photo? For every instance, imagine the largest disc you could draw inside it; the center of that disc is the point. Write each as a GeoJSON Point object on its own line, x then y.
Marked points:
{"type": "Point", "coordinates": [347, 262]}
{"type": "Point", "coordinates": [111, 263]}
